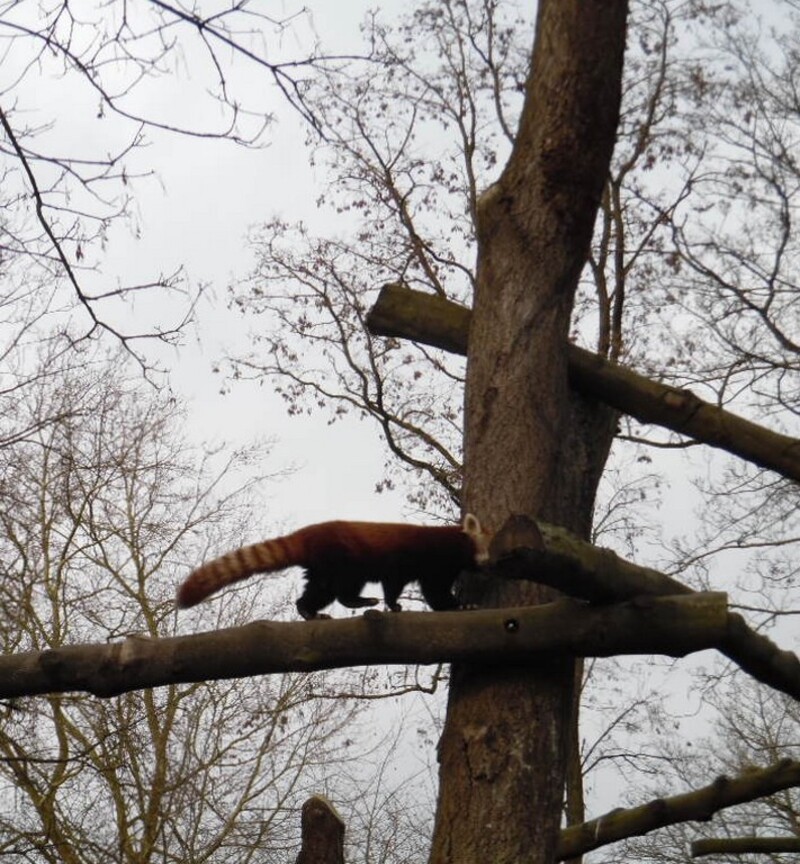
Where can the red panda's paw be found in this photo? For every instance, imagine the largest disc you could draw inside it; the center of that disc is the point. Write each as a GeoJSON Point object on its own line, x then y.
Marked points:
{"type": "Point", "coordinates": [308, 615]}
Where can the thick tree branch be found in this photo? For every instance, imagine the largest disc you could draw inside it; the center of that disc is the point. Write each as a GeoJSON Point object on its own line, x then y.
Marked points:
{"type": "Point", "coordinates": [409, 314]}
{"type": "Point", "coordinates": [665, 625]}
{"type": "Point", "coordinates": [532, 549]}
{"type": "Point", "coordinates": [592, 573]}
{"type": "Point", "coordinates": [700, 804]}
{"type": "Point", "coordinates": [745, 846]}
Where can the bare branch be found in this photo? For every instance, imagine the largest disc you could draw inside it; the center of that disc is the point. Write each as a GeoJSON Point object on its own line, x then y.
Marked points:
{"type": "Point", "coordinates": [291, 88]}
{"type": "Point", "coordinates": [569, 564]}
{"type": "Point", "coordinates": [701, 804]}
{"type": "Point", "coordinates": [86, 301]}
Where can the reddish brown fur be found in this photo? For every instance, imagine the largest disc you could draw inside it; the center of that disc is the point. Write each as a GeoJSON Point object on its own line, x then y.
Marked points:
{"type": "Point", "coordinates": [341, 557]}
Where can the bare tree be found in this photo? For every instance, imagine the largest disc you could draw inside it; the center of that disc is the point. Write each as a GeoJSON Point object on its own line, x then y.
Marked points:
{"type": "Point", "coordinates": [77, 112]}
{"type": "Point", "coordinates": [754, 727]}
{"type": "Point", "coordinates": [409, 142]}
{"type": "Point", "coordinates": [100, 513]}
{"type": "Point", "coordinates": [733, 275]}
{"type": "Point", "coordinates": [409, 148]}
{"type": "Point", "coordinates": [664, 130]}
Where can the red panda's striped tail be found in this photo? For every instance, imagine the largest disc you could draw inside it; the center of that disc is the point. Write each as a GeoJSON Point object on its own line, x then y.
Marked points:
{"type": "Point", "coordinates": [233, 567]}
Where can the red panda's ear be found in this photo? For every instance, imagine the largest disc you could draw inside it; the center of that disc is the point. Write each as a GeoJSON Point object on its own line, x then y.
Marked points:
{"type": "Point", "coordinates": [471, 525]}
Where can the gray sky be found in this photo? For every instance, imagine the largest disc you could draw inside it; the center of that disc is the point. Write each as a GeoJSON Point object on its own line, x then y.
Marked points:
{"type": "Point", "coordinates": [197, 213]}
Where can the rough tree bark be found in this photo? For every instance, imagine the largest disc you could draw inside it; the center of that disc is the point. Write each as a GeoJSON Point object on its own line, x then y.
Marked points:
{"type": "Point", "coordinates": [322, 832]}
{"type": "Point", "coordinates": [530, 447]}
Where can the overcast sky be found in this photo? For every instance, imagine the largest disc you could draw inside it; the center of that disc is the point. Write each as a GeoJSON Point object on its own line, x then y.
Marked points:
{"type": "Point", "coordinates": [197, 214]}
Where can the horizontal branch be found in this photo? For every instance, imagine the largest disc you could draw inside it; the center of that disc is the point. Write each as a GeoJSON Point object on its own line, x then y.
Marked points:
{"type": "Point", "coordinates": [700, 804]}
{"type": "Point", "coordinates": [745, 846]}
{"type": "Point", "coordinates": [432, 320]}
{"type": "Point", "coordinates": [675, 626]}
{"type": "Point", "coordinates": [550, 555]}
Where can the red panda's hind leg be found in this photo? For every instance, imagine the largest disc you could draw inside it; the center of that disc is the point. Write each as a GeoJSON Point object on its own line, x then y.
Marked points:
{"type": "Point", "coordinates": [324, 585]}
{"type": "Point", "coordinates": [308, 613]}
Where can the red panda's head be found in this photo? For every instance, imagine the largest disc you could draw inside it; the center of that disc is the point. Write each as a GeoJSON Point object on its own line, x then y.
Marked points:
{"type": "Point", "coordinates": [471, 526]}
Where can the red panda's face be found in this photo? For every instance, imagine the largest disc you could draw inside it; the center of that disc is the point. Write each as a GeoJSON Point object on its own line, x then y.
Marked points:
{"type": "Point", "coordinates": [472, 528]}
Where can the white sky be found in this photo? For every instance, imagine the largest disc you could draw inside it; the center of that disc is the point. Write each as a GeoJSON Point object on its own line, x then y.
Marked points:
{"type": "Point", "coordinates": [207, 196]}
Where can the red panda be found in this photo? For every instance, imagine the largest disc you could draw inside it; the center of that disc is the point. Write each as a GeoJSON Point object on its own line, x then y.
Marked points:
{"type": "Point", "coordinates": [341, 557]}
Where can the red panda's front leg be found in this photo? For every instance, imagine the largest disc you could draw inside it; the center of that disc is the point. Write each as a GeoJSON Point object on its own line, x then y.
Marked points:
{"type": "Point", "coordinates": [391, 593]}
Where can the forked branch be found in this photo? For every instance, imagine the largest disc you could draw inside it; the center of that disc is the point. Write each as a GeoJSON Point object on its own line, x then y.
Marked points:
{"type": "Point", "coordinates": [552, 556]}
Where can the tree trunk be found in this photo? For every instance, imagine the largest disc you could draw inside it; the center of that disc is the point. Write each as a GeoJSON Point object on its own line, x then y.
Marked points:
{"type": "Point", "coordinates": [323, 833]}
{"type": "Point", "coordinates": [530, 448]}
